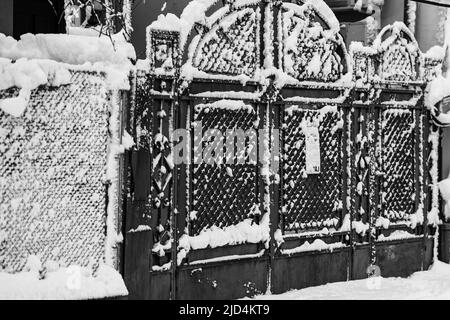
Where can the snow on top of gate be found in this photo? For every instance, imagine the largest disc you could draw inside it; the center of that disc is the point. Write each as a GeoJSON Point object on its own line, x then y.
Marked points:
{"type": "Point", "coordinates": [70, 49]}
{"type": "Point", "coordinates": [227, 45]}
{"type": "Point", "coordinates": [46, 59]}
{"type": "Point", "coordinates": [194, 12]}
{"type": "Point", "coordinates": [321, 8]}
{"type": "Point", "coordinates": [312, 49]}
{"type": "Point", "coordinates": [390, 34]}
{"type": "Point", "coordinates": [394, 57]}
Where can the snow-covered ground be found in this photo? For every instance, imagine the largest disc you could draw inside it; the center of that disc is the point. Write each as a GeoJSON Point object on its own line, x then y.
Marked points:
{"type": "Point", "coordinates": [432, 284]}
{"type": "Point", "coordinates": [72, 283]}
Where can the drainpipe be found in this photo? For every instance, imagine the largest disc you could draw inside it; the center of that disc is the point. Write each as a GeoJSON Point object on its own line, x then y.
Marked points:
{"type": "Point", "coordinates": [429, 26]}
{"type": "Point", "coordinates": [410, 14]}
{"type": "Point", "coordinates": [444, 156]}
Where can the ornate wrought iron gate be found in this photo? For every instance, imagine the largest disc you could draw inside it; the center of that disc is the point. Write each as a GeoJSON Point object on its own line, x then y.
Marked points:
{"type": "Point", "coordinates": [272, 223]}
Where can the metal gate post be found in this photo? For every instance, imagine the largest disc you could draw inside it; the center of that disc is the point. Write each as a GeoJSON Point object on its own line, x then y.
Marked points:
{"type": "Point", "coordinates": [372, 202]}
{"type": "Point", "coordinates": [274, 112]}
{"type": "Point", "coordinates": [346, 194]}
{"type": "Point", "coordinates": [173, 208]}
{"type": "Point", "coordinates": [426, 180]}
{"type": "Point", "coordinates": [137, 245]}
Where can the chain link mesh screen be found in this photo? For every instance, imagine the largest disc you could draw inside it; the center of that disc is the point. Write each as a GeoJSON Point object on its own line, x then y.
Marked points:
{"type": "Point", "coordinates": [398, 163]}
{"type": "Point", "coordinates": [52, 168]}
{"type": "Point", "coordinates": [230, 47]}
{"type": "Point", "coordinates": [311, 201]}
{"type": "Point", "coordinates": [224, 195]}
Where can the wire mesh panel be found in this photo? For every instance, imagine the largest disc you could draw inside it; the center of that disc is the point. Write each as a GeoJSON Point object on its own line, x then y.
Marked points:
{"type": "Point", "coordinates": [312, 201]}
{"type": "Point", "coordinates": [397, 65]}
{"type": "Point", "coordinates": [224, 194]}
{"type": "Point", "coordinates": [52, 174]}
{"type": "Point", "coordinates": [230, 47]}
{"type": "Point", "coordinates": [398, 159]}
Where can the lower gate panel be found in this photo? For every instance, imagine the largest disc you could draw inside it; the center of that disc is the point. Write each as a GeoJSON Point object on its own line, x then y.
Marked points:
{"type": "Point", "coordinates": [160, 285]}
{"type": "Point", "coordinates": [399, 258]}
{"type": "Point", "coordinates": [229, 280]}
{"type": "Point", "coordinates": [309, 269]}
{"type": "Point", "coordinates": [249, 277]}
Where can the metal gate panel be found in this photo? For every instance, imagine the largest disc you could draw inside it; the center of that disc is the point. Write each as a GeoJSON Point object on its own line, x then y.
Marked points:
{"type": "Point", "coordinates": [230, 47]}
{"type": "Point", "coordinates": [312, 201]}
{"type": "Point", "coordinates": [273, 55]}
{"type": "Point", "coordinates": [224, 194]}
{"type": "Point", "coordinates": [310, 51]}
{"type": "Point", "coordinates": [398, 164]}
{"type": "Point", "coordinates": [358, 172]}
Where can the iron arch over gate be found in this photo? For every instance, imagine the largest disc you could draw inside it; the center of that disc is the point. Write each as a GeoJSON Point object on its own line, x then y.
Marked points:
{"type": "Point", "coordinates": [333, 174]}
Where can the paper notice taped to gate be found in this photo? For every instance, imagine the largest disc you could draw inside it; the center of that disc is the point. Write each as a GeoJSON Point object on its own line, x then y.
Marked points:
{"type": "Point", "coordinates": [312, 149]}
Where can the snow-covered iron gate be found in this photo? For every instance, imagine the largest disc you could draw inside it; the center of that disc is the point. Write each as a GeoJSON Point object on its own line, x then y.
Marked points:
{"type": "Point", "coordinates": [346, 161]}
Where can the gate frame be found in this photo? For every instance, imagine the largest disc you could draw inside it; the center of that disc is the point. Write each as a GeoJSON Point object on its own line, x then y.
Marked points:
{"type": "Point", "coordinates": [150, 81]}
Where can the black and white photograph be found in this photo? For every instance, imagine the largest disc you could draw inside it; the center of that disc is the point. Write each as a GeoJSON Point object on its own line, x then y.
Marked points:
{"type": "Point", "coordinates": [237, 150]}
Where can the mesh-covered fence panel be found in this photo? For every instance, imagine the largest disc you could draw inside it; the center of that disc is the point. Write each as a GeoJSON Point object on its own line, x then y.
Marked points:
{"type": "Point", "coordinates": [230, 47]}
{"type": "Point", "coordinates": [226, 194]}
{"type": "Point", "coordinates": [311, 201]}
{"type": "Point", "coordinates": [316, 55]}
{"type": "Point", "coordinates": [398, 164]}
{"type": "Point", "coordinates": [397, 65]}
{"type": "Point", "coordinates": [52, 169]}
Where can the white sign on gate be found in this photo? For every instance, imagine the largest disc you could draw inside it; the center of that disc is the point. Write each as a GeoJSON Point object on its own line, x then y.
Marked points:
{"type": "Point", "coordinates": [312, 149]}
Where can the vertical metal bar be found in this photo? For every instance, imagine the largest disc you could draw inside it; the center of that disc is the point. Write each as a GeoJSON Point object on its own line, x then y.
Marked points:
{"type": "Point", "coordinates": [347, 204]}
{"type": "Point", "coordinates": [355, 200]}
{"type": "Point", "coordinates": [371, 189]}
{"type": "Point", "coordinates": [174, 203]}
{"type": "Point", "coordinates": [377, 169]}
{"type": "Point", "coordinates": [345, 144]}
{"type": "Point", "coordinates": [137, 246]}
{"type": "Point", "coordinates": [263, 187]}
{"type": "Point", "coordinates": [426, 181]}
{"type": "Point", "coordinates": [417, 156]}
{"type": "Point", "coordinates": [274, 187]}
{"type": "Point", "coordinates": [190, 199]}
{"type": "Point", "coordinates": [122, 181]}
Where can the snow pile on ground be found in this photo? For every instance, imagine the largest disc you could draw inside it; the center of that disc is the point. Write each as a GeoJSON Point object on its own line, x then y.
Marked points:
{"type": "Point", "coordinates": [432, 284]}
{"type": "Point", "coordinates": [57, 283]}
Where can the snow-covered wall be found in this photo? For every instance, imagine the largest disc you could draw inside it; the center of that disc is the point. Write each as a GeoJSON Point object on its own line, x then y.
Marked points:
{"type": "Point", "coordinates": [60, 143]}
